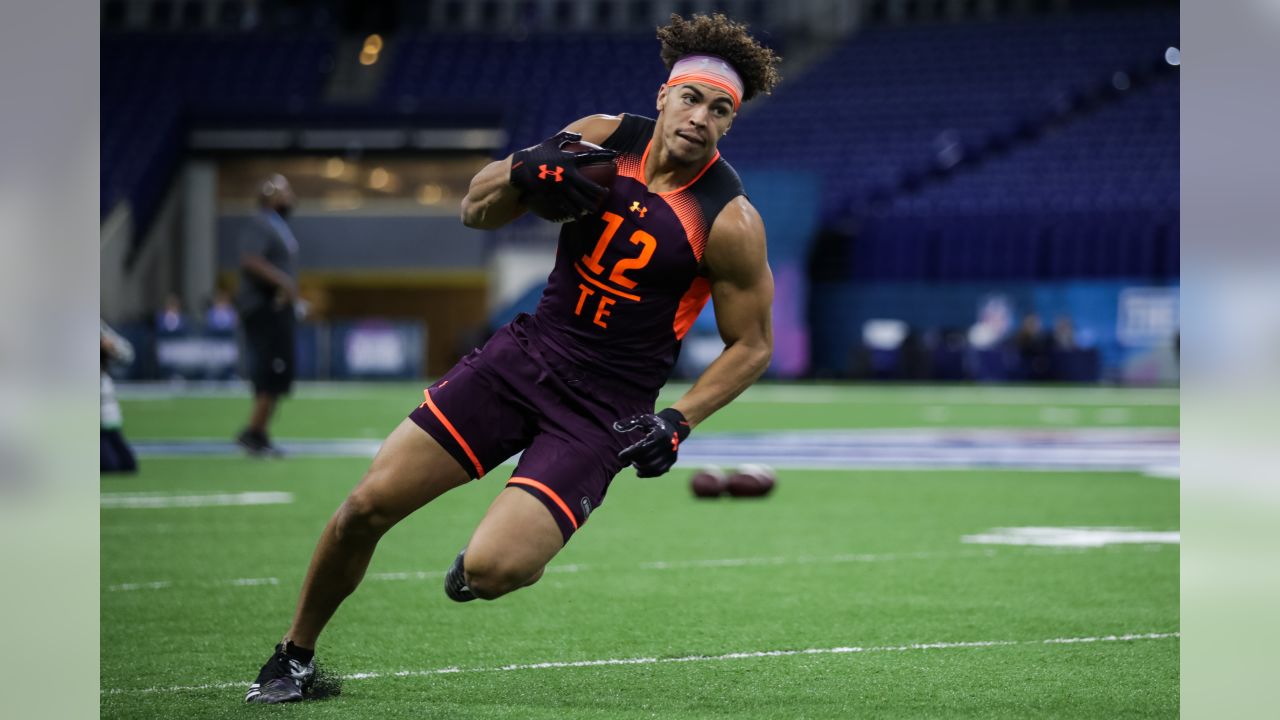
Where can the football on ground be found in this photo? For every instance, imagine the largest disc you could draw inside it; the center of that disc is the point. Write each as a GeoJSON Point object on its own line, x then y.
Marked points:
{"type": "Point", "coordinates": [752, 480]}
{"type": "Point", "coordinates": [709, 482]}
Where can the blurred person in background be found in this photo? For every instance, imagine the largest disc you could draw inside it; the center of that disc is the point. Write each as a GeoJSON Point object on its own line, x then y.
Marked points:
{"type": "Point", "coordinates": [1064, 333]}
{"type": "Point", "coordinates": [1034, 348]}
{"type": "Point", "coordinates": [170, 320]}
{"type": "Point", "coordinates": [266, 300]}
{"type": "Point", "coordinates": [115, 455]}
{"type": "Point", "coordinates": [573, 386]}
{"type": "Point", "coordinates": [220, 319]}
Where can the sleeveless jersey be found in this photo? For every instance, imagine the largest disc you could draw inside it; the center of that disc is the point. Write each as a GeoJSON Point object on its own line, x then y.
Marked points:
{"type": "Point", "coordinates": [629, 281]}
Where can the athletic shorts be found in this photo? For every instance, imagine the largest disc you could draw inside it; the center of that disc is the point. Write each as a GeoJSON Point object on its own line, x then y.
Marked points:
{"type": "Point", "coordinates": [514, 395]}
{"type": "Point", "coordinates": [268, 335]}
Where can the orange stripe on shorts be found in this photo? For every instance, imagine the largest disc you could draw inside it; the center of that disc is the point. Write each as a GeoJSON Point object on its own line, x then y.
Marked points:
{"type": "Point", "coordinates": [453, 431]}
{"type": "Point", "coordinates": [549, 492]}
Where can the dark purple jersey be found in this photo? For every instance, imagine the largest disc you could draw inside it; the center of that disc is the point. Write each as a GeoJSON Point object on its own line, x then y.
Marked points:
{"type": "Point", "coordinates": [629, 282]}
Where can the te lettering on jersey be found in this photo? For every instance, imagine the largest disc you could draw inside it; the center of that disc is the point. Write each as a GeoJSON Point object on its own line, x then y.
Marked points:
{"type": "Point", "coordinates": [606, 285]}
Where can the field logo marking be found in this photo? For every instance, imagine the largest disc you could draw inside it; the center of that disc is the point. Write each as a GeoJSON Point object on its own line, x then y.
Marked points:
{"type": "Point", "coordinates": [1131, 637]}
{"type": "Point", "coordinates": [1072, 536]}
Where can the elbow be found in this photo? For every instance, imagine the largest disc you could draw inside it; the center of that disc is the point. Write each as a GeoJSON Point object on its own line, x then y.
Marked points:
{"type": "Point", "coordinates": [470, 217]}
{"type": "Point", "coordinates": [476, 218]}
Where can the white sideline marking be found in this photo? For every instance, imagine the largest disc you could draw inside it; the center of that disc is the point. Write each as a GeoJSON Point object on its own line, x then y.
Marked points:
{"type": "Point", "coordinates": [161, 584]}
{"type": "Point", "coordinates": [1071, 536]}
{"type": "Point", "coordinates": [688, 659]}
{"type": "Point", "coordinates": [134, 501]}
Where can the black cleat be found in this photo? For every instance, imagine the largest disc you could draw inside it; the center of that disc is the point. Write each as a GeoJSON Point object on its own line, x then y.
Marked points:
{"type": "Point", "coordinates": [283, 679]}
{"type": "Point", "coordinates": [455, 581]}
{"type": "Point", "coordinates": [257, 444]}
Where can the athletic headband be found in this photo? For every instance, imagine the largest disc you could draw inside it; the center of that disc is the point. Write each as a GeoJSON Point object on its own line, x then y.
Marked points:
{"type": "Point", "coordinates": [708, 69]}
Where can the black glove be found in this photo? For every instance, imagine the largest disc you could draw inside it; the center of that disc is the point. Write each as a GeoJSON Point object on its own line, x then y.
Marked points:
{"type": "Point", "coordinates": [656, 453]}
{"type": "Point", "coordinates": [546, 170]}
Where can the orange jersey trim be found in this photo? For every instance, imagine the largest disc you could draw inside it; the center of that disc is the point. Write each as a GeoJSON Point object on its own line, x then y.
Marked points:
{"type": "Point", "coordinates": [644, 162]}
{"type": "Point", "coordinates": [602, 286]}
{"type": "Point", "coordinates": [453, 431]}
{"type": "Point", "coordinates": [689, 213]}
{"type": "Point", "coordinates": [695, 298]}
{"type": "Point", "coordinates": [549, 493]}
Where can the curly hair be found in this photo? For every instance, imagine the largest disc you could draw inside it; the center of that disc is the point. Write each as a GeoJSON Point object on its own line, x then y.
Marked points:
{"type": "Point", "coordinates": [720, 36]}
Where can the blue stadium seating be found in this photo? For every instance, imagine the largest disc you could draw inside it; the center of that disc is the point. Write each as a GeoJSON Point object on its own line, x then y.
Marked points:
{"type": "Point", "coordinates": [890, 101]}
{"type": "Point", "coordinates": [153, 82]}
{"type": "Point", "coordinates": [541, 82]}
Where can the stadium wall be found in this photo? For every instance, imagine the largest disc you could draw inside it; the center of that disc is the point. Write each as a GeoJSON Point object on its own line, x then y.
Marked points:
{"type": "Point", "coordinates": [1097, 310]}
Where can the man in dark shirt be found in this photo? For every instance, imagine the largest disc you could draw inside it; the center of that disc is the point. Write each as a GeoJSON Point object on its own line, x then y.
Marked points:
{"type": "Point", "coordinates": [266, 298]}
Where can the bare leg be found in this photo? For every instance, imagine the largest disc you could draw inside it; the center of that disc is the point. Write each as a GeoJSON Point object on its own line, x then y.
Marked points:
{"type": "Point", "coordinates": [264, 405]}
{"type": "Point", "coordinates": [511, 546]}
{"type": "Point", "coordinates": [410, 470]}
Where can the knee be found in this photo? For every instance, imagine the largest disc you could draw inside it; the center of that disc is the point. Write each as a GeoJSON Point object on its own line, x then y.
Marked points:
{"type": "Point", "coordinates": [490, 578]}
{"type": "Point", "coordinates": [360, 516]}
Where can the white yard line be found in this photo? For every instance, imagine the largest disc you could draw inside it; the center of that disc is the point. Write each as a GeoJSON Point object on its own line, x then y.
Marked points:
{"type": "Point", "coordinates": [746, 655]}
{"type": "Point", "coordinates": [152, 501]}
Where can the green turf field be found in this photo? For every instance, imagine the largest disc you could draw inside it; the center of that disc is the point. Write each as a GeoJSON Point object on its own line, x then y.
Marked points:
{"type": "Point", "coordinates": [847, 593]}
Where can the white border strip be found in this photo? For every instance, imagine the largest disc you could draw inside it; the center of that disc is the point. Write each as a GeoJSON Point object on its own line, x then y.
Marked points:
{"type": "Point", "coordinates": [686, 659]}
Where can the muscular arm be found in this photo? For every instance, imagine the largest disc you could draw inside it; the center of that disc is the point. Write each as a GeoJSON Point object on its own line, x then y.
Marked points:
{"type": "Point", "coordinates": [492, 202]}
{"type": "Point", "coordinates": [742, 292]}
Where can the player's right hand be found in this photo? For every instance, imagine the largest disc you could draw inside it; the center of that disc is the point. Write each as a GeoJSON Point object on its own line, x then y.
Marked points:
{"type": "Point", "coordinates": [548, 170]}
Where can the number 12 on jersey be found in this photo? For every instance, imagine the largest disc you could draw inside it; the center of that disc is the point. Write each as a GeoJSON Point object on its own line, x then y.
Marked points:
{"type": "Point", "coordinates": [592, 262]}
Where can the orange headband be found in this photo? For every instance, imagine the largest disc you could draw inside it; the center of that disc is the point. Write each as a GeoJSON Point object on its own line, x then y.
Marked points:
{"type": "Point", "coordinates": [711, 70]}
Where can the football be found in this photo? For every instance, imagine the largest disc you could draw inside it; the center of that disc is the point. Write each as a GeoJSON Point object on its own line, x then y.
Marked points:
{"type": "Point", "coordinates": [752, 480]}
{"type": "Point", "coordinates": [709, 482]}
{"type": "Point", "coordinates": [600, 172]}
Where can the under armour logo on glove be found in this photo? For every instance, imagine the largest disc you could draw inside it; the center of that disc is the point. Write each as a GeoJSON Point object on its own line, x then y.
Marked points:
{"type": "Point", "coordinates": [656, 452]}
{"type": "Point", "coordinates": [550, 172]}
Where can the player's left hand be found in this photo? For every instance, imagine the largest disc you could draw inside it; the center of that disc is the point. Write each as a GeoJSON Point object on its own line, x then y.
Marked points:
{"type": "Point", "coordinates": [656, 453]}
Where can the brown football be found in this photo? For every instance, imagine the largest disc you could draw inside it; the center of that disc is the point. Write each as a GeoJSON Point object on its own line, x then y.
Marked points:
{"type": "Point", "coordinates": [752, 480]}
{"type": "Point", "coordinates": [600, 172]}
{"type": "Point", "coordinates": [709, 482]}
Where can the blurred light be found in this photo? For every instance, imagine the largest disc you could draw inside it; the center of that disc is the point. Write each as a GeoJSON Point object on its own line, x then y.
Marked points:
{"type": "Point", "coordinates": [373, 44]}
{"type": "Point", "coordinates": [333, 167]}
{"type": "Point", "coordinates": [430, 194]}
{"type": "Point", "coordinates": [368, 58]}
{"type": "Point", "coordinates": [342, 200]}
{"type": "Point", "coordinates": [1120, 80]}
{"type": "Point", "coordinates": [1173, 56]}
{"type": "Point", "coordinates": [379, 178]}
